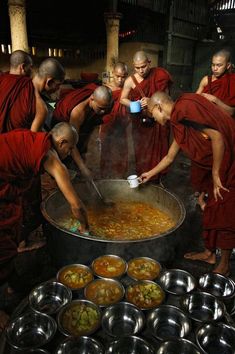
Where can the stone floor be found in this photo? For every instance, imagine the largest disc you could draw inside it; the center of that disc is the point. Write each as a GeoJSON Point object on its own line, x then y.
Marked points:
{"type": "Point", "coordinates": [36, 266]}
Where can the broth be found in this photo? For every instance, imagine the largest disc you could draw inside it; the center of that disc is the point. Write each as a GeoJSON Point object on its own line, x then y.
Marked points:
{"type": "Point", "coordinates": [123, 221]}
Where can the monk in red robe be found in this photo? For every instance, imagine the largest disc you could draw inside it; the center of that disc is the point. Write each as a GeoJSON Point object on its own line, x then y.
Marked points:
{"type": "Point", "coordinates": [150, 142]}
{"type": "Point", "coordinates": [83, 108]}
{"type": "Point", "coordinates": [219, 88]}
{"type": "Point", "coordinates": [206, 134]}
{"type": "Point", "coordinates": [113, 133]}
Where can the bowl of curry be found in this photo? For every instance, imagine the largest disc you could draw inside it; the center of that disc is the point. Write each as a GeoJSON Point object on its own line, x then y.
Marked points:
{"type": "Point", "coordinates": [145, 294]}
{"type": "Point", "coordinates": [109, 266]}
{"type": "Point", "coordinates": [143, 268]}
{"type": "Point", "coordinates": [104, 292]}
{"type": "Point", "coordinates": [75, 276]}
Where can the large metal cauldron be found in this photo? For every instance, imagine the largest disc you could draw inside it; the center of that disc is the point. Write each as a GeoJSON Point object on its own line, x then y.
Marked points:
{"type": "Point", "coordinates": [67, 247]}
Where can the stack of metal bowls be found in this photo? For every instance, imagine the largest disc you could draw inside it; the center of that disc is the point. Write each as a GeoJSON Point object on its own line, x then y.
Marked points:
{"type": "Point", "coordinates": [177, 282]}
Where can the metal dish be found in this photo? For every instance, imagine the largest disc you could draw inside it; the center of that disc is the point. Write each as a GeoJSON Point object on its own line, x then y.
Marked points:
{"type": "Point", "coordinates": [166, 322]}
{"type": "Point", "coordinates": [79, 318]}
{"type": "Point", "coordinates": [122, 319]}
{"type": "Point", "coordinates": [81, 345]}
{"type": "Point", "coordinates": [129, 345]}
{"type": "Point", "coordinates": [75, 276]}
{"type": "Point", "coordinates": [216, 338]}
{"type": "Point", "coordinates": [104, 292]}
{"type": "Point", "coordinates": [143, 268]}
{"type": "Point", "coordinates": [178, 346]}
{"type": "Point", "coordinates": [49, 297]}
{"type": "Point", "coordinates": [202, 307]}
{"type": "Point", "coordinates": [113, 266]}
{"type": "Point", "coordinates": [30, 331]}
{"type": "Point", "coordinates": [177, 281]}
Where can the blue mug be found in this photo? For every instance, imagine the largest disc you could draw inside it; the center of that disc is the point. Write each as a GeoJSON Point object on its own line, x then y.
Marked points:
{"type": "Point", "coordinates": [135, 106]}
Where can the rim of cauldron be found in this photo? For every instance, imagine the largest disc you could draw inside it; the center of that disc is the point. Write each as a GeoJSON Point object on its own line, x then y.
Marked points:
{"type": "Point", "coordinates": [95, 238]}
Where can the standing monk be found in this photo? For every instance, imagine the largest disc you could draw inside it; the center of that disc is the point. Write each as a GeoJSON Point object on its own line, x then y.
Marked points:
{"type": "Point", "coordinates": [83, 108]}
{"type": "Point", "coordinates": [219, 88]}
{"type": "Point", "coordinates": [206, 134]}
{"type": "Point", "coordinates": [150, 142]}
{"type": "Point", "coordinates": [113, 135]}
{"type": "Point", "coordinates": [24, 155]}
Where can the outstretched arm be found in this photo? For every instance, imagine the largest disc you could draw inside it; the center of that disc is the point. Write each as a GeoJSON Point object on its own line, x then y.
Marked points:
{"type": "Point", "coordinates": [57, 169]}
{"type": "Point", "coordinates": [218, 154]}
{"type": "Point", "coordinates": [80, 163]}
{"type": "Point", "coordinates": [163, 164]}
{"type": "Point", "coordinates": [126, 91]}
{"type": "Point", "coordinates": [40, 115]}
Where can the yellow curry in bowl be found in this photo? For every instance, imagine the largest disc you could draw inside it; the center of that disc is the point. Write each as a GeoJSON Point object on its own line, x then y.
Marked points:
{"type": "Point", "coordinates": [109, 266]}
{"type": "Point", "coordinates": [143, 268]}
{"type": "Point", "coordinates": [145, 294]}
{"type": "Point", "coordinates": [75, 276]}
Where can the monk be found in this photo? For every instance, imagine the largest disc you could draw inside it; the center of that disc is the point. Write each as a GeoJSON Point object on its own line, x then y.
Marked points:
{"type": "Point", "coordinates": [83, 108]}
{"type": "Point", "coordinates": [21, 63]}
{"type": "Point", "coordinates": [113, 133]}
{"type": "Point", "coordinates": [150, 142]}
{"type": "Point", "coordinates": [206, 134]}
{"type": "Point", "coordinates": [24, 155]}
{"type": "Point", "coordinates": [21, 104]}
{"type": "Point", "coordinates": [219, 88]}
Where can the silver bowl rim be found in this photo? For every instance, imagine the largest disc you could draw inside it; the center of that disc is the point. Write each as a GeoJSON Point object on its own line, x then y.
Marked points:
{"type": "Point", "coordinates": [79, 265]}
{"type": "Point", "coordinates": [137, 338]}
{"type": "Point", "coordinates": [76, 339]}
{"type": "Point", "coordinates": [97, 239]}
{"type": "Point", "coordinates": [185, 340]}
{"type": "Point", "coordinates": [145, 282]}
{"type": "Point", "coordinates": [110, 280]}
{"type": "Point", "coordinates": [126, 303]}
{"type": "Point", "coordinates": [66, 288]}
{"type": "Point", "coordinates": [109, 255]}
{"type": "Point", "coordinates": [219, 276]}
{"type": "Point", "coordinates": [148, 259]}
{"type": "Point", "coordinates": [172, 270]}
{"type": "Point", "coordinates": [78, 301]}
{"type": "Point", "coordinates": [20, 318]}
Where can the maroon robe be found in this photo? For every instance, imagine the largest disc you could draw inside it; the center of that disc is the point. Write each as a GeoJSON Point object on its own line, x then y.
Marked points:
{"type": "Point", "coordinates": [151, 143]}
{"type": "Point", "coordinates": [113, 136]}
{"type": "Point", "coordinates": [17, 102]}
{"type": "Point", "coordinates": [22, 153]}
{"type": "Point", "coordinates": [218, 217]}
{"type": "Point", "coordinates": [223, 88]}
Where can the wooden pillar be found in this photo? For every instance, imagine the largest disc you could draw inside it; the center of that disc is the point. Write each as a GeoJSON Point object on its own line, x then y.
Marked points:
{"type": "Point", "coordinates": [112, 21]}
{"type": "Point", "coordinates": [17, 14]}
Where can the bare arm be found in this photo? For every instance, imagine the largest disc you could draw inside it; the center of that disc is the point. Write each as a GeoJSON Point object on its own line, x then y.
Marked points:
{"type": "Point", "coordinates": [230, 110]}
{"type": "Point", "coordinates": [80, 163]}
{"type": "Point", "coordinates": [55, 168]}
{"type": "Point", "coordinates": [163, 164]}
{"type": "Point", "coordinates": [126, 91]}
{"type": "Point", "coordinates": [41, 114]}
{"type": "Point", "coordinates": [202, 84]}
{"type": "Point", "coordinates": [218, 154]}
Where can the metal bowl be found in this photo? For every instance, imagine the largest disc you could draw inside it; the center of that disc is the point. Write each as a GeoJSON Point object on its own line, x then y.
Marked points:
{"type": "Point", "coordinates": [220, 286]}
{"type": "Point", "coordinates": [49, 297]}
{"type": "Point", "coordinates": [71, 318]}
{"type": "Point", "coordinates": [75, 276]}
{"type": "Point", "coordinates": [166, 322]}
{"type": "Point", "coordinates": [30, 331]}
{"type": "Point", "coordinates": [122, 319]}
{"type": "Point", "coordinates": [81, 345]}
{"type": "Point", "coordinates": [36, 351]}
{"type": "Point", "coordinates": [177, 281]}
{"type": "Point", "coordinates": [202, 307]}
{"type": "Point", "coordinates": [129, 345]}
{"type": "Point", "coordinates": [151, 293]}
{"type": "Point", "coordinates": [216, 338]}
{"type": "Point", "coordinates": [139, 268]}
{"type": "Point", "coordinates": [176, 346]}
{"type": "Point", "coordinates": [113, 266]}
{"type": "Point", "coordinates": [104, 292]}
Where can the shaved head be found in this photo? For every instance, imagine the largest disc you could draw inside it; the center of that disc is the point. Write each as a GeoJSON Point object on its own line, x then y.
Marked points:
{"type": "Point", "coordinates": [19, 57]}
{"type": "Point", "coordinates": [223, 53]}
{"type": "Point", "coordinates": [65, 131]}
{"type": "Point", "coordinates": [140, 56]}
{"type": "Point", "coordinates": [120, 66]}
{"type": "Point", "coordinates": [158, 98]}
{"type": "Point", "coordinates": [51, 68]}
{"type": "Point", "coordinates": [103, 94]}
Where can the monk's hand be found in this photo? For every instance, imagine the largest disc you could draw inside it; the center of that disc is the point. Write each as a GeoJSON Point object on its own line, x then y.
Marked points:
{"type": "Point", "coordinates": [210, 97]}
{"type": "Point", "coordinates": [144, 177]}
{"type": "Point", "coordinates": [81, 215]}
{"type": "Point", "coordinates": [217, 187]}
{"type": "Point", "coordinates": [144, 102]}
